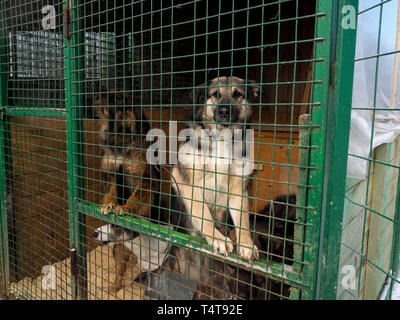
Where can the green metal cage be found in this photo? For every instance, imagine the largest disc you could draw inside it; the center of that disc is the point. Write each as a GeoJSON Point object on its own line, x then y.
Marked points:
{"type": "Point", "coordinates": [57, 59]}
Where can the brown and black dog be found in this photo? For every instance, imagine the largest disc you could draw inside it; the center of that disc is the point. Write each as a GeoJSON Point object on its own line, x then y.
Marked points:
{"type": "Point", "coordinates": [274, 227]}
{"type": "Point", "coordinates": [133, 181]}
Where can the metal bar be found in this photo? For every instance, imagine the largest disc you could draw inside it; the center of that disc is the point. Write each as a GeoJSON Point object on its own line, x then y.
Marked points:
{"type": "Point", "coordinates": [365, 258]}
{"type": "Point", "coordinates": [370, 159]}
{"type": "Point", "coordinates": [272, 270]}
{"type": "Point", "coordinates": [395, 251]}
{"type": "Point", "coordinates": [35, 112]}
{"type": "Point", "coordinates": [338, 130]}
{"type": "Point", "coordinates": [374, 6]}
{"type": "Point", "coordinates": [73, 49]}
{"type": "Point", "coordinates": [304, 138]}
{"type": "Point", "coordinates": [396, 60]}
{"type": "Point", "coordinates": [376, 109]}
{"type": "Point", "coordinates": [362, 290]}
{"type": "Point", "coordinates": [323, 27]}
{"type": "Point", "coordinates": [3, 159]}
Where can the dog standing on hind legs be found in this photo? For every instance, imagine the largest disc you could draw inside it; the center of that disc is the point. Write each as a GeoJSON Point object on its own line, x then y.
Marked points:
{"type": "Point", "coordinates": [133, 181]}
{"type": "Point", "coordinates": [209, 191]}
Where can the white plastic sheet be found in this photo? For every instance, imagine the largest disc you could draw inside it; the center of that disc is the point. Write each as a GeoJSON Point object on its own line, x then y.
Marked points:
{"type": "Point", "coordinates": [370, 129]}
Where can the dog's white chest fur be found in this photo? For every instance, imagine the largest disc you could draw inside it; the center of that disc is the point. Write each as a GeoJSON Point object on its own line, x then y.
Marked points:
{"type": "Point", "coordinates": [210, 165]}
{"type": "Point", "coordinates": [214, 156]}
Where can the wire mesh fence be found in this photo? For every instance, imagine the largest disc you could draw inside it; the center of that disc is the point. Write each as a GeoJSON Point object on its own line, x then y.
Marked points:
{"type": "Point", "coordinates": [370, 240]}
{"type": "Point", "coordinates": [162, 53]}
{"type": "Point", "coordinates": [171, 150]}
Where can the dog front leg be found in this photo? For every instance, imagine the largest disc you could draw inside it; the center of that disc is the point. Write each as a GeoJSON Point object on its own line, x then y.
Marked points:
{"type": "Point", "coordinates": [121, 257]}
{"type": "Point", "coordinates": [130, 204]}
{"type": "Point", "coordinates": [202, 222]}
{"type": "Point", "coordinates": [138, 203]}
{"type": "Point", "coordinates": [108, 202]}
{"type": "Point", "coordinates": [239, 208]}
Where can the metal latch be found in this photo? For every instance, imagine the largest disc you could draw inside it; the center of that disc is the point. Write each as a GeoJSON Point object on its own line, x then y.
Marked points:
{"type": "Point", "coordinates": [2, 113]}
{"type": "Point", "coordinates": [67, 21]}
{"type": "Point", "coordinates": [74, 266]}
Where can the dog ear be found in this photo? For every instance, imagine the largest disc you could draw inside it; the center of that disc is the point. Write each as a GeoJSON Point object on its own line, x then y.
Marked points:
{"type": "Point", "coordinates": [96, 106]}
{"type": "Point", "coordinates": [197, 97]}
{"type": "Point", "coordinates": [134, 126]}
{"type": "Point", "coordinates": [141, 125]}
{"type": "Point", "coordinates": [254, 91]}
{"type": "Point", "coordinates": [198, 94]}
{"type": "Point", "coordinates": [101, 99]}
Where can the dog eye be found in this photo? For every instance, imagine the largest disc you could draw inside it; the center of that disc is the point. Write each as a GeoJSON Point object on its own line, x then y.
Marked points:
{"type": "Point", "coordinates": [236, 94]}
{"type": "Point", "coordinates": [215, 95]}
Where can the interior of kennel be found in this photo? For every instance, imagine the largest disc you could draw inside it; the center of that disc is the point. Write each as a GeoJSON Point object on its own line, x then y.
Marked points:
{"type": "Point", "coordinates": [158, 53]}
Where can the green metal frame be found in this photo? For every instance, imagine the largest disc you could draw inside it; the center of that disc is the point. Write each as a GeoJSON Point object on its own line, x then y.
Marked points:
{"type": "Point", "coordinates": [73, 87]}
{"type": "Point", "coordinates": [337, 138]}
{"type": "Point", "coordinates": [3, 158]}
{"type": "Point", "coordinates": [328, 155]}
{"type": "Point", "coordinates": [321, 73]}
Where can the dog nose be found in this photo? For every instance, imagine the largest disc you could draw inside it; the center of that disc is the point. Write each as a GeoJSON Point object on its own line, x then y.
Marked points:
{"type": "Point", "coordinates": [223, 112]}
{"type": "Point", "coordinates": [95, 234]}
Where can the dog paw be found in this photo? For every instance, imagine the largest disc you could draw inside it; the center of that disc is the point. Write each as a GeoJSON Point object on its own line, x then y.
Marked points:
{"type": "Point", "coordinates": [107, 208]}
{"type": "Point", "coordinates": [222, 246]}
{"type": "Point", "coordinates": [248, 252]}
{"type": "Point", "coordinates": [113, 289]}
{"type": "Point", "coordinates": [119, 210]}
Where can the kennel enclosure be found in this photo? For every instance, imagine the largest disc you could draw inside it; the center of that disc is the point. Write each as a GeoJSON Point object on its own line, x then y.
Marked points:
{"type": "Point", "coordinates": [158, 52]}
